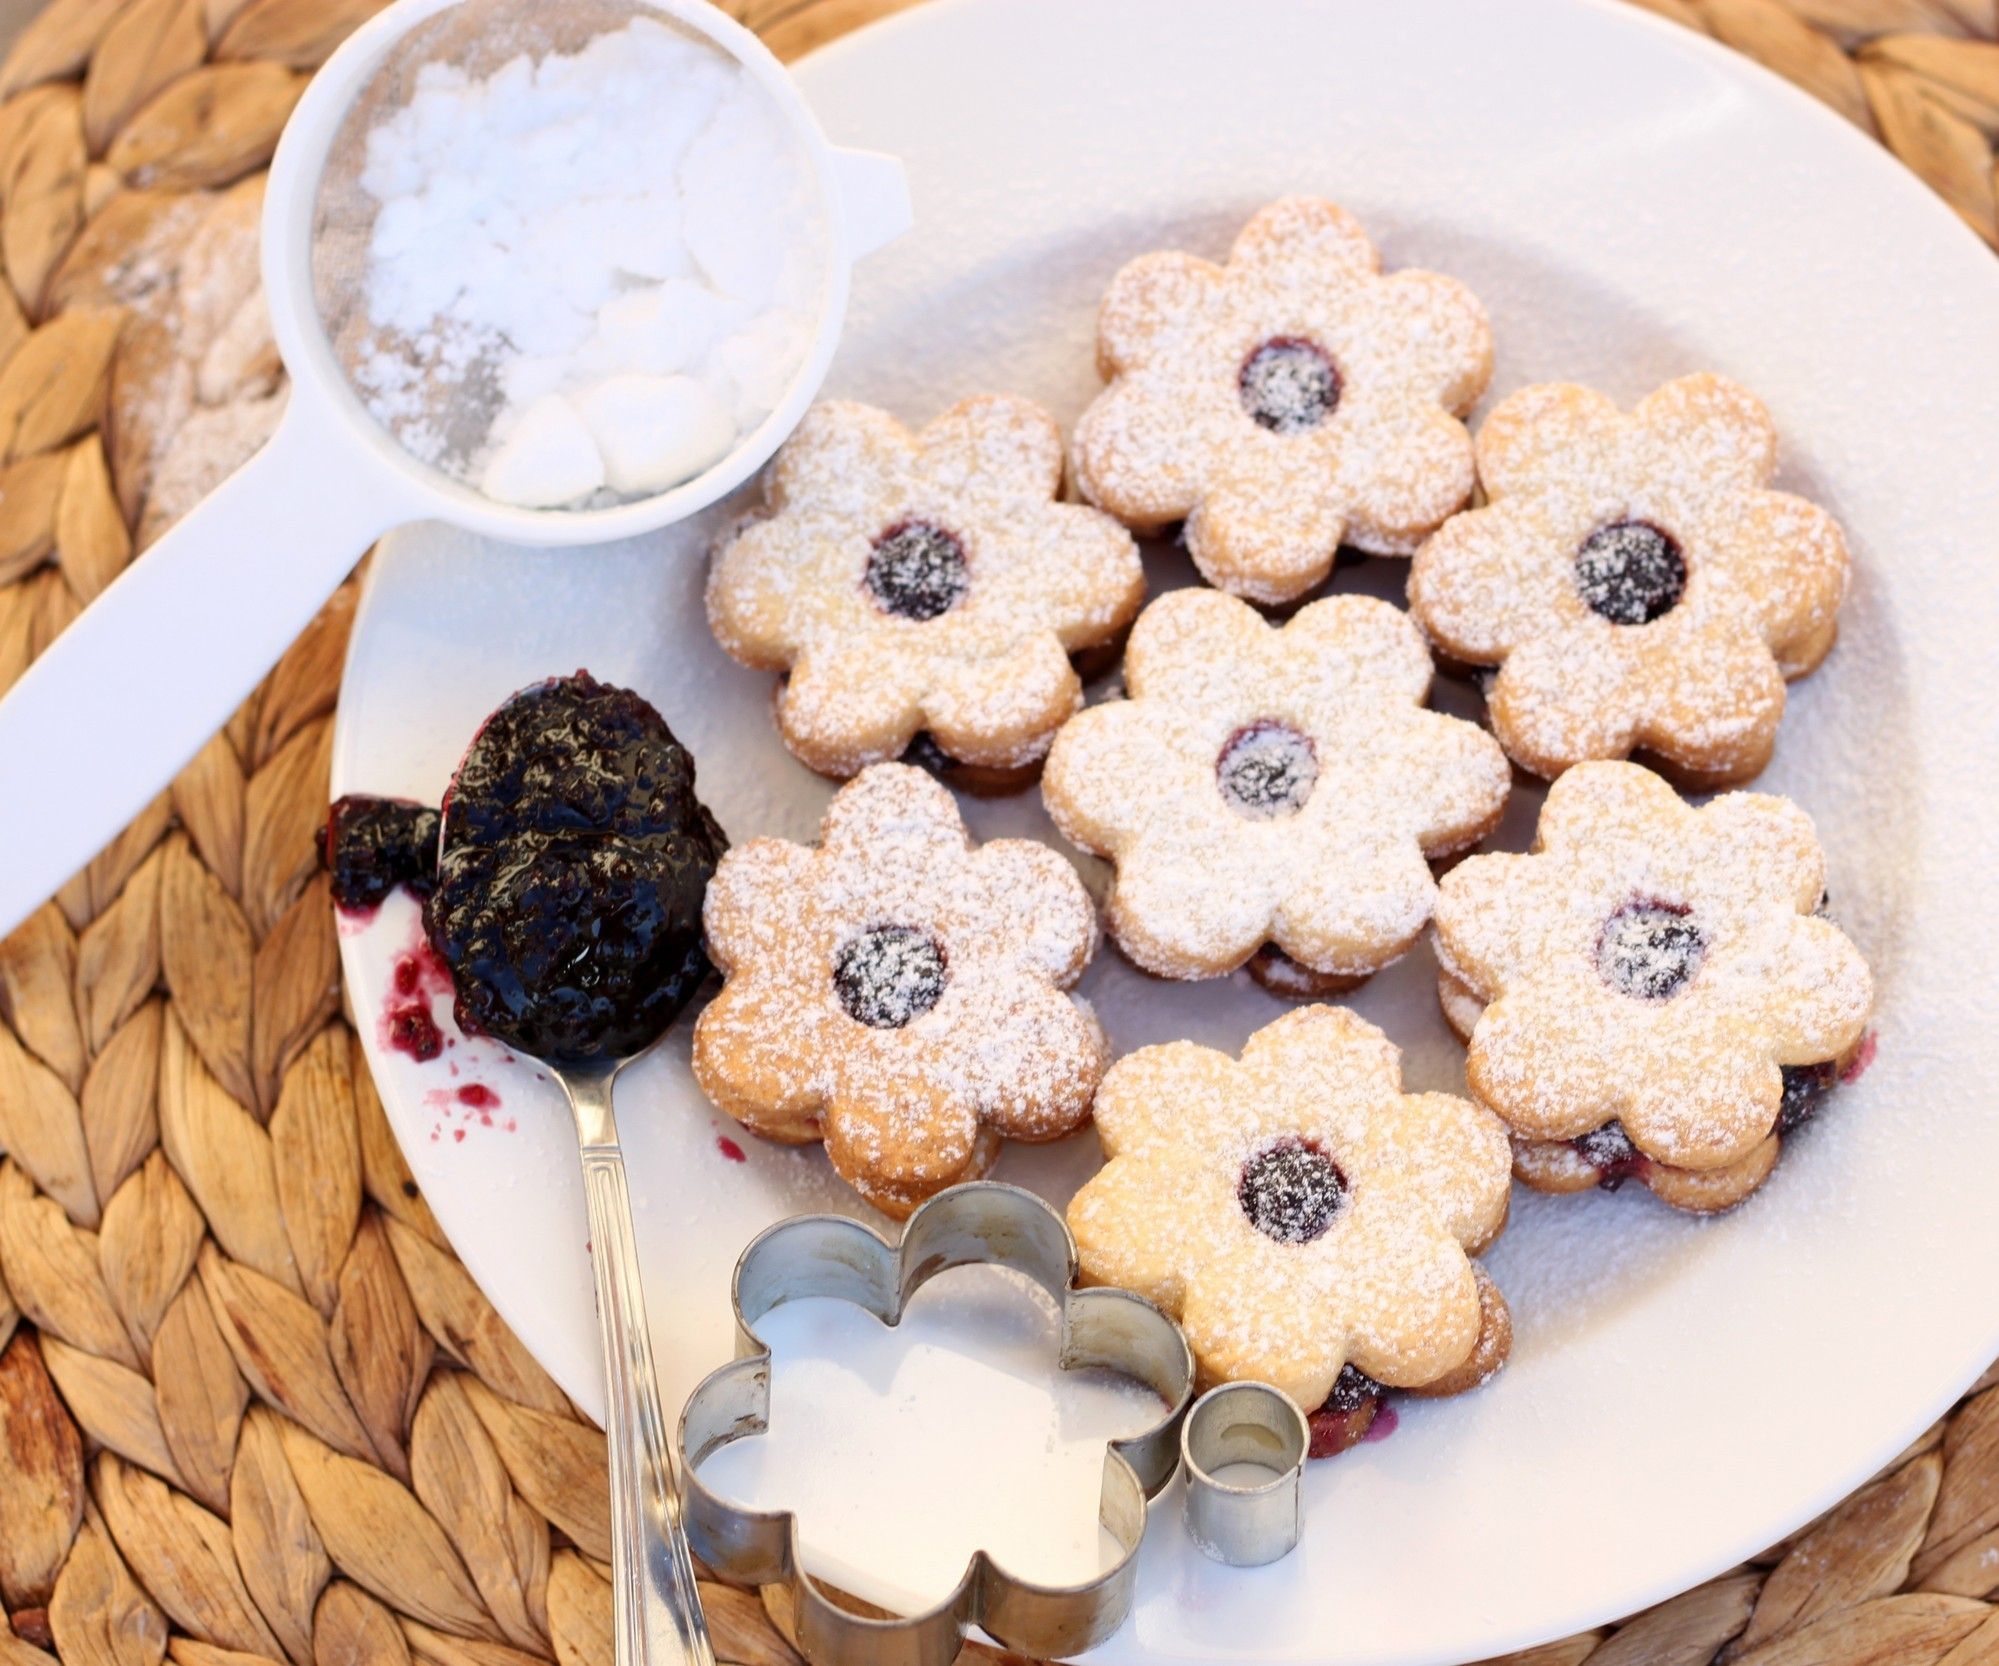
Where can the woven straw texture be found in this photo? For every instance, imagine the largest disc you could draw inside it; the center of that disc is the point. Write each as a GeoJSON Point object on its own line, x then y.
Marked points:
{"type": "Point", "coordinates": [251, 1407]}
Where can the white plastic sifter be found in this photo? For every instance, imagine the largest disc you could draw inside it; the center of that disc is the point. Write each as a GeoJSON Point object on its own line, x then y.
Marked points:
{"type": "Point", "coordinates": [109, 714]}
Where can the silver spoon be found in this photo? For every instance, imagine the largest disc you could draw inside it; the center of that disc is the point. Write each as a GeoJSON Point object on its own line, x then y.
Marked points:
{"type": "Point", "coordinates": [656, 1614]}
{"type": "Point", "coordinates": [563, 918]}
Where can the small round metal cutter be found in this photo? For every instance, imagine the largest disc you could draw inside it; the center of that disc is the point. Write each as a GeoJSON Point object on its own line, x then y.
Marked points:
{"type": "Point", "coordinates": [830, 1255]}
{"type": "Point", "coordinates": [1245, 1523]}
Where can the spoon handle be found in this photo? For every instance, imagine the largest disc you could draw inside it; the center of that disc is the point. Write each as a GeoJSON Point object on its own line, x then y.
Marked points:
{"type": "Point", "coordinates": [656, 1607]}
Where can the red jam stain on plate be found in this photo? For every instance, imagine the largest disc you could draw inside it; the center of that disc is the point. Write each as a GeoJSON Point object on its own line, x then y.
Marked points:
{"type": "Point", "coordinates": [417, 980]}
{"type": "Point", "coordinates": [1869, 1046]}
{"type": "Point", "coordinates": [1385, 1420]}
{"type": "Point", "coordinates": [729, 1149]}
{"type": "Point", "coordinates": [351, 922]}
{"type": "Point", "coordinates": [472, 1105]}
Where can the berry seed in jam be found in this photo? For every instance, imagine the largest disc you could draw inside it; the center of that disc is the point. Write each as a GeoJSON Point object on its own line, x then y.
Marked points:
{"type": "Point", "coordinates": [1649, 950]}
{"type": "Point", "coordinates": [1291, 1191]}
{"type": "Point", "coordinates": [1805, 1085]}
{"type": "Point", "coordinates": [372, 845]}
{"type": "Point", "coordinates": [1266, 771]}
{"type": "Point", "coordinates": [1289, 385]}
{"type": "Point", "coordinates": [1630, 572]}
{"type": "Point", "coordinates": [889, 976]}
{"type": "Point", "coordinates": [917, 571]}
{"type": "Point", "coordinates": [575, 860]}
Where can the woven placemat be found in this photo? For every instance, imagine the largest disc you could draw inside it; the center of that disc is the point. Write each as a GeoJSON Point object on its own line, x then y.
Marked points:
{"type": "Point", "coordinates": [251, 1407]}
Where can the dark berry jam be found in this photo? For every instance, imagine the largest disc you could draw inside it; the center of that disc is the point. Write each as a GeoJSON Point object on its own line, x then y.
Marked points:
{"type": "Point", "coordinates": [418, 979]}
{"type": "Point", "coordinates": [1649, 950]}
{"type": "Point", "coordinates": [1347, 1415]}
{"type": "Point", "coordinates": [925, 754]}
{"type": "Point", "coordinates": [1630, 572]}
{"type": "Point", "coordinates": [372, 845]}
{"type": "Point", "coordinates": [1291, 1191]}
{"type": "Point", "coordinates": [917, 571]}
{"type": "Point", "coordinates": [1610, 1152]}
{"type": "Point", "coordinates": [575, 859]}
{"type": "Point", "coordinates": [1267, 771]}
{"type": "Point", "coordinates": [1289, 385]}
{"type": "Point", "coordinates": [411, 1030]}
{"type": "Point", "coordinates": [1805, 1086]}
{"type": "Point", "coordinates": [889, 976]}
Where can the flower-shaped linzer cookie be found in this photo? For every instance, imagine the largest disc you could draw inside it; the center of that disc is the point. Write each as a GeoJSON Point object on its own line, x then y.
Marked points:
{"type": "Point", "coordinates": [1285, 403]}
{"type": "Point", "coordinates": [1298, 1212]}
{"type": "Point", "coordinates": [1634, 579]}
{"type": "Point", "coordinates": [1651, 994]}
{"type": "Point", "coordinates": [1270, 784]}
{"type": "Point", "coordinates": [923, 583]}
{"type": "Point", "coordinates": [899, 992]}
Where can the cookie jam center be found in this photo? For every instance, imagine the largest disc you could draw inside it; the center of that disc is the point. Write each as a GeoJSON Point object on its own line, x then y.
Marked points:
{"type": "Point", "coordinates": [1267, 770]}
{"type": "Point", "coordinates": [1650, 950]}
{"type": "Point", "coordinates": [1289, 385]}
{"type": "Point", "coordinates": [1291, 1191]}
{"type": "Point", "coordinates": [889, 976]}
{"type": "Point", "coordinates": [917, 571]}
{"type": "Point", "coordinates": [1630, 572]}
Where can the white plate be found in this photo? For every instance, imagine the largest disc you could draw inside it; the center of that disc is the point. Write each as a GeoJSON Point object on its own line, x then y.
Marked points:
{"type": "Point", "coordinates": [1631, 202]}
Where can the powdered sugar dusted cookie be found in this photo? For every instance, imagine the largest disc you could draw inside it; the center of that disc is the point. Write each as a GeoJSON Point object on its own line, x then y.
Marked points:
{"type": "Point", "coordinates": [1649, 994]}
{"type": "Point", "coordinates": [1634, 579]}
{"type": "Point", "coordinates": [923, 583]}
{"type": "Point", "coordinates": [1307, 1222]}
{"type": "Point", "coordinates": [897, 991]}
{"type": "Point", "coordinates": [1285, 403]}
{"type": "Point", "coordinates": [1269, 784]}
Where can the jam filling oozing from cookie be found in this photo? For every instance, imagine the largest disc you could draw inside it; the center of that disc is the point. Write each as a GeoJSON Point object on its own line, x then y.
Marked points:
{"type": "Point", "coordinates": [1347, 1415]}
{"type": "Point", "coordinates": [1805, 1086]}
{"type": "Point", "coordinates": [1291, 1190]}
{"type": "Point", "coordinates": [917, 571]}
{"type": "Point", "coordinates": [1610, 1152]}
{"type": "Point", "coordinates": [372, 845]}
{"type": "Point", "coordinates": [1650, 950]}
{"type": "Point", "coordinates": [1267, 771]}
{"type": "Point", "coordinates": [1630, 572]}
{"type": "Point", "coordinates": [889, 976]}
{"type": "Point", "coordinates": [1289, 385]}
{"type": "Point", "coordinates": [1352, 1388]}
{"type": "Point", "coordinates": [574, 863]}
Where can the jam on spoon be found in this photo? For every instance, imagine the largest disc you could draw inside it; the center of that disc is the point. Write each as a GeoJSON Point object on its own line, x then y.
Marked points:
{"type": "Point", "coordinates": [575, 857]}
{"type": "Point", "coordinates": [572, 868]}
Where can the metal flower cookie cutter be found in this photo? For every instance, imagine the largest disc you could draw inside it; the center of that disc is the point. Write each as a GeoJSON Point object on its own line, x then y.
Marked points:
{"type": "Point", "coordinates": [831, 1255]}
{"type": "Point", "coordinates": [1245, 1523]}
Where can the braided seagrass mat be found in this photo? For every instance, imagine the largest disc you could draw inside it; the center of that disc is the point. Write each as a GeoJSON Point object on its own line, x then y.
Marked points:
{"type": "Point", "coordinates": [251, 1407]}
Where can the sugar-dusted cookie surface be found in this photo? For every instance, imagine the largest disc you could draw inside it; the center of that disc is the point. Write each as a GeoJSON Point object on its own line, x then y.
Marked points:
{"type": "Point", "coordinates": [1634, 579]}
{"type": "Point", "coordinates": [1285, 403]}
{"type": "Point", "coordinates": [1272, 784]}
{"type": "Point", "coordinates": [1650, 994]}
{"type": "Point", "coordinates": [1298, 1212]}
{"type": "Point", "coordinates": [898, 992]}
{"type": "Point", "coordinates": [922, 582]}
